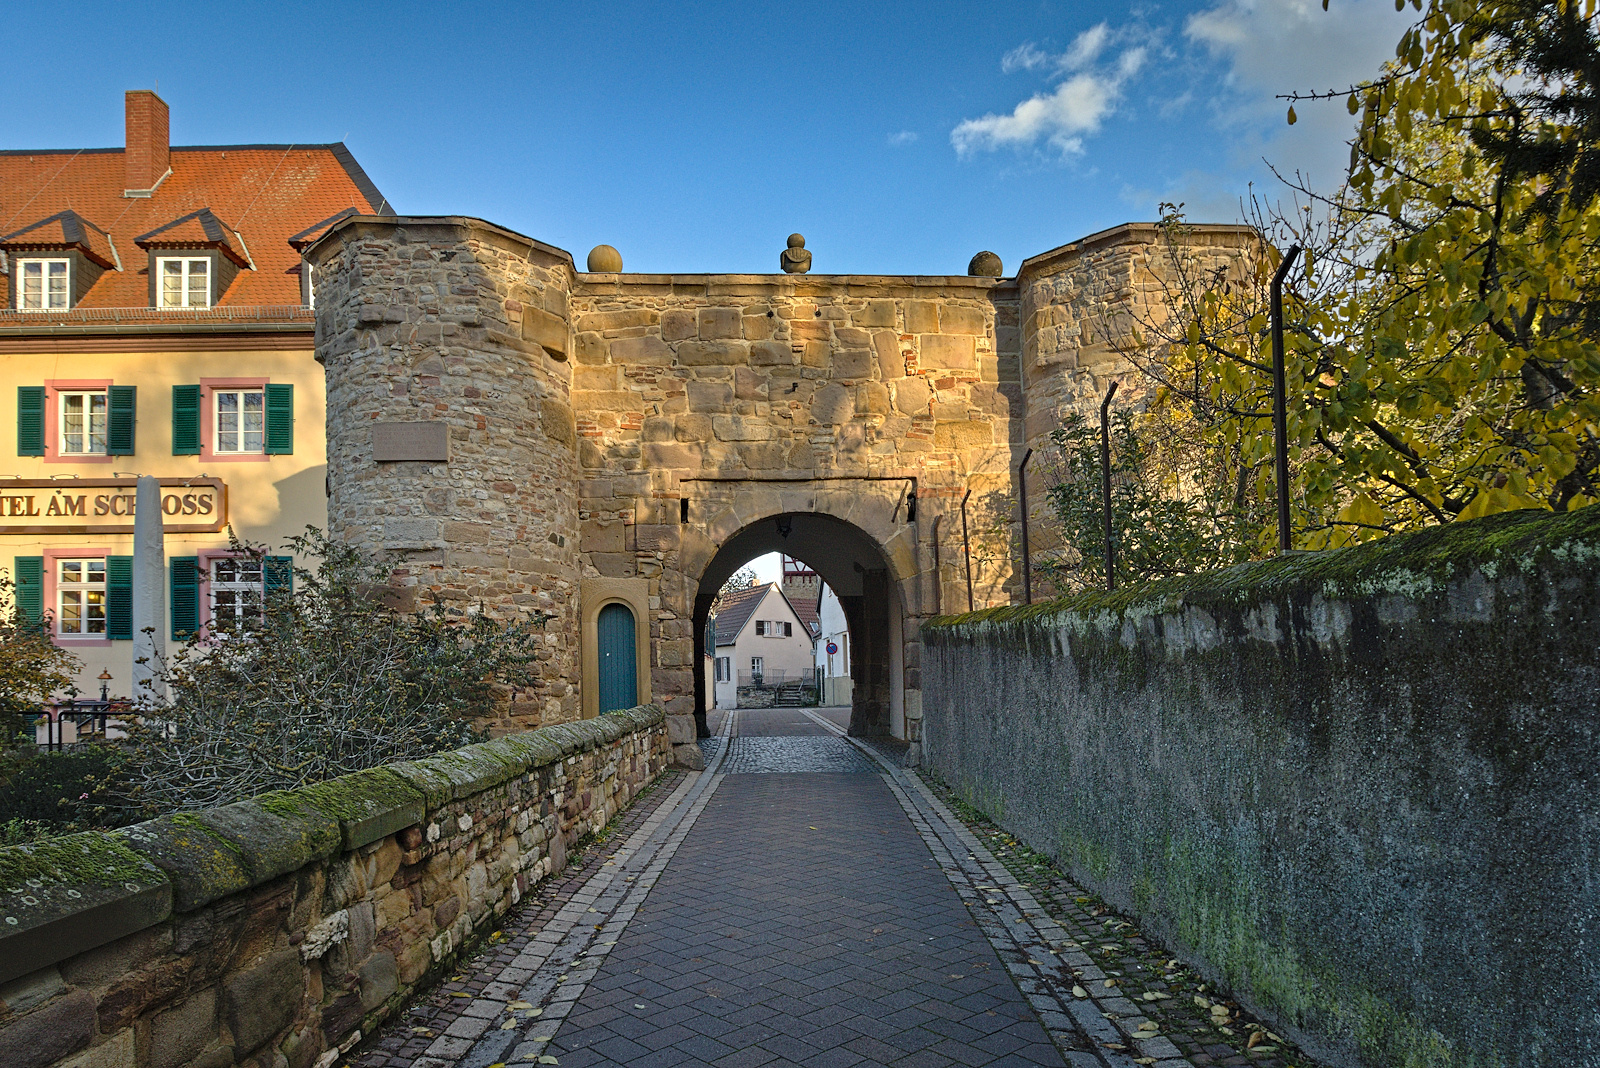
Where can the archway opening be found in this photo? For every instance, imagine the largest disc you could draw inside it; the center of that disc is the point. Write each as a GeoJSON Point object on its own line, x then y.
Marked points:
{"type": "Point", "coordinates": [859, 574]}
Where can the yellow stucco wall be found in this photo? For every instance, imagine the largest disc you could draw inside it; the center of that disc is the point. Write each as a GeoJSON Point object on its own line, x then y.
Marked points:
{"type": "Point", "coordinates": [268, 499]}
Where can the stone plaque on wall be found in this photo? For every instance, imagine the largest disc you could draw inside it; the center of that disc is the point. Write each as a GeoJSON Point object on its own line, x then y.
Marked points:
{"type": "Point", "coordinates": [397, 442]}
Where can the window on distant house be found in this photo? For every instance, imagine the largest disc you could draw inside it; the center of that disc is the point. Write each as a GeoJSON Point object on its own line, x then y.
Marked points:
{"type": "Point", "coordinates": [42, 285]}
{"type": "Point", "coordinates": [788, 630]}
{"type": "Point", "coordinates": [83, 422]}
{"type": "Point", "coordinates": [724, 668]}
{"type": "Point", "coordinates": [755, 665]}
{"type": "Point", "coordinates": [236, 592]}
{"type": "Point", "coordinates": [240, 419]}
{"type": "Point", "coordinates": [185, 283]}
{"type": "Point", "coordinates": [761, 627]}
{"type": "Point", "coordinates": [81, 596]}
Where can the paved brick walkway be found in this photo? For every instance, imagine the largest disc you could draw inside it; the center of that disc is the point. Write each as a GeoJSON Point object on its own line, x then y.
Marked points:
{"type": "Point", "coordinates": [801, 902]}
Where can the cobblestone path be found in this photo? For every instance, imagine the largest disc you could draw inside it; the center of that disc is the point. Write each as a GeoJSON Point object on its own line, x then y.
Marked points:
{"type": "Point", "coordinates": [803, 901]}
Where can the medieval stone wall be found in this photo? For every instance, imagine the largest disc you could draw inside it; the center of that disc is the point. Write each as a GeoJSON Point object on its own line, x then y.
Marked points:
{"type": "Point", "coordinates": [627, 426]}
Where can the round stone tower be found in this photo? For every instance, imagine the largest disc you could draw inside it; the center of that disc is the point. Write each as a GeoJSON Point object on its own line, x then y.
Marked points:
{"type": "Point", "coordinates": [451, 438]}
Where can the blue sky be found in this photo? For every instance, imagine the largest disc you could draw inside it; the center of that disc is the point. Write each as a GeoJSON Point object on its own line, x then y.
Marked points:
{"type": "Point", "coordinates": [697, 137]}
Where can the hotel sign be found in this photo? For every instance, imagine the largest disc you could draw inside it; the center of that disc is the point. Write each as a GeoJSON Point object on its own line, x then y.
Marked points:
{"type": "Point", "coordinates": [105, 505]}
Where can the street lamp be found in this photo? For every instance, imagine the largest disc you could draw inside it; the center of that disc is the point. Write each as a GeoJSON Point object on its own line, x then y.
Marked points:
{"type": "Point", "coordinates": [105, 680]}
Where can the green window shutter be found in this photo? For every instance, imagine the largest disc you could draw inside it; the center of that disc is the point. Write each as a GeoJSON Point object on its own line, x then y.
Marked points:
{"type": "Point", "coordinates": [119, 597]}
{"type": "Point", "coordinates": [186, 420]}
{"type": "Point", "coordinates": [280, 419]}
{"type": "Point", "coordinates": [28, 574]}
{"type": "Point", "coordinates": [121, 408]}
{"type": "Point", "coordinates": [185, 602]}
{"type": "Point", "coordinates": [277, 574]}
{"type": "Point", "coordinates": [30, 420]}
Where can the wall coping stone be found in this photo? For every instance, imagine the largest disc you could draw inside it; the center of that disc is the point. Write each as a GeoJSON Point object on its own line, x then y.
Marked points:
{"type": "Point", "coordinates": [62, 896]}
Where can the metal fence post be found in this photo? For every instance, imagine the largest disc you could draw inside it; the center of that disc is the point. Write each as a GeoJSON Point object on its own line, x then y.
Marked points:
{"type": "Point", "coordinates": [1280, 400]}
{"type": "Point", "coordinates": [1105, 485]}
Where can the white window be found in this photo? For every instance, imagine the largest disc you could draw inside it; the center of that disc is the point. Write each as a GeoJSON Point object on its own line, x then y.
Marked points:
{"type": "Point", "coordinates": [185, 283]}
{"type": "Point", "coordinates": [236, 593]}
{"type": "Point", "coordinates": [756, 665]}
{"type": "Point", "coordinates": [83, 422]}
{"type": "Point", "coordinates": [81, 596]}
{"type": "Point", "coordinates": [240, 419]}
{"type": "Point", "coordinates": [42, 285]}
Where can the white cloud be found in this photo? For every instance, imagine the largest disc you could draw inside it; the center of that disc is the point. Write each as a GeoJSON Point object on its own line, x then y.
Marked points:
{"type": "Point", "coordinates": [1060, 118]}
{"type": "Point", "coordinates": [904, 137]}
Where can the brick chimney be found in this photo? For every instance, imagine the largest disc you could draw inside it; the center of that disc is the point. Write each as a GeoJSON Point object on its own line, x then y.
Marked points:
{"type": "Point", "coordinates": [145, 158]}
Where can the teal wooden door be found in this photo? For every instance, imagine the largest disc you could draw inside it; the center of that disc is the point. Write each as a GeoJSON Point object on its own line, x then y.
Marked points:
{"type": "Point", "coordinates": [619, 669]}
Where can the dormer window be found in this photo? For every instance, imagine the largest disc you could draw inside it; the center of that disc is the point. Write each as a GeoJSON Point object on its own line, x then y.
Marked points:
{"type": "Point", "coordinates": [44, 285]}
{"type": "Point", "coordinates": [184, 282]}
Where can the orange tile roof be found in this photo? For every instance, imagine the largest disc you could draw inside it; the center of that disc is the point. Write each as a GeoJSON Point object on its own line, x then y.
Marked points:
{"type": "Point", "coordinates": [265, 193]}
{"type": "Point", "coordinates": [60, 232]}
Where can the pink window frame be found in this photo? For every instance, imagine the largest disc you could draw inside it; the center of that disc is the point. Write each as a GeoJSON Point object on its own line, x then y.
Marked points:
{"type": "Point", "coordinates": [208, 408]}
{"type": "Point", "coordinates": [68, 641]}
{"type": "Point", "coordinates": [203, 561]}
{"type": "Point", "coordinates": [53, 388]}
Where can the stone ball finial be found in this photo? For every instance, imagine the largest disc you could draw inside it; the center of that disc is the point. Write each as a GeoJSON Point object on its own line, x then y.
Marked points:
{"type": "Point", "coordinates": [795, 259]}
{"type": "Point", "coordinates": [986, 265]}
{"type": "Point", "coordinates": [603, 259]}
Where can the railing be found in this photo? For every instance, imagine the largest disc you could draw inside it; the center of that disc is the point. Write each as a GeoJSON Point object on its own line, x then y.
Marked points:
{"type": "Point", "coordinates": [772, 679]}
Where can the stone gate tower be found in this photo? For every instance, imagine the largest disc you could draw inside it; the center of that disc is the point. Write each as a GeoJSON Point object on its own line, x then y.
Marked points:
{"type": "Point", "coordinates": [529, 437]}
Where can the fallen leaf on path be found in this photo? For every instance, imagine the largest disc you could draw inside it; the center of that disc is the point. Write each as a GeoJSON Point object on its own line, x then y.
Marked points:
{"type": "Point", "coordinates": [1079, 992]}
{"type": "Point", "coordinates": [520, 1005]}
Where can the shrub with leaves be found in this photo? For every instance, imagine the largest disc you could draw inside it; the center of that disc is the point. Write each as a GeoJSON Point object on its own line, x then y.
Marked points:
{"type": "Point", "coordinates": [329, 680]}
{"type": "Point", "coordinates": [32, 667]}
{"type": "Point", "coordinates": [1163, 511]}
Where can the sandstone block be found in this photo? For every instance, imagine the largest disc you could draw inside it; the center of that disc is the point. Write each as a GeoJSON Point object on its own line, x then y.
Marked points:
{"type": "Point", "coordinates": [602, 378]}
{"type": "Point", "coordinates": [738, 428]}
{"type": "Point", "coordinates": [833, 404]}
{"type": "Point", "coordinates": [954, 319]}
{"type": "Point", "coordinates": [680, 730]}
{"type": "Point", "coordinates": [692, 427]}
{"type": "Point", "coordinates": [380, 978]}
{"type": "Point", "coordinates": [656, 537]}
{"type": "Point", "coordinates": [922, 317]}
{"type": "Point", "coordinates": [178, 1035]}
{"type": "Point", "coordinates": [121, 1050]}
{"type": "Point", "coordinates": [689, 756]}
{"type": "Point", "coordinates": [617, 320]}
{"type": "Point", "coordinates": [656, 428]}
{"type": "Point", "coordinates": [891, 364]}
{"type": "Point", "coordinates": [649, 349]}
{"type": "Point", "coordinates": [589, 348]}
{"type": "Point", "coordinates": [759, 327]}
{"type": "Point", "coordinates": [876, 313]}
{"type": "Point", "coordinates": [851, 337]}
{"type": "Point", "coordinates": [712, 353]}
{"type": "Point", "coordinates": [720, 323]}
{"type": "Point", "coordinates": [672, 456]}
{"type": "Point", "coordinates": [912, 396]}
{"type": "Point", "coordinates": [811, 330]}
{"type": "Point", "coordinates": [264, 1000]}
{"type": "Point", "coordinates": [853, 363]}
{"type": "Point", "coordinates": [962, 435]}
{"type": "Point", "coordinates": [557, 422]}
{"type": "Point", "coordinates": [764, 456]}
{"type": "Point", "coordinates": [602, 536]}
{"type": "Point", "coordinates": [872, 398]}
{"type": "Point", "coordinates": [748, 384]}
{"type": "Point", "coordinates": [710, 396]}
{"type": "Point", "coordinates": [816, 354]}
{"type": "Point", "coordinates": [621, 400]}
{"type": "Point", "coordinates": [952, 351]}
{"type": "Point", "coordinates": [771, 353]}
{"type": "Point", "coordinates": [48, 1034]}
{"type": "Point", "coordinates": [677, 325]}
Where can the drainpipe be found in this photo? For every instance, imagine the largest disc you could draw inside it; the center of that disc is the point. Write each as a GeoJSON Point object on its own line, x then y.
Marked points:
{"type": "Point", "coordinates": [1027, 565]}
{"type": "Point", "coordinates": [1105, 485]}
{"type": "Point", "coordinates": [1280, 401]}
{"type": "Point", "coordinates": [966, 548]}
{"type": "Point", "coordinates": [938, 576]}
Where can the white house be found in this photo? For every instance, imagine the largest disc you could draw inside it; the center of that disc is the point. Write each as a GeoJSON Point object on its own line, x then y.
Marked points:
{"type": "Point", "coordinates": [760, 641]}
{"type": "Point", "coordinates": [833, 649]}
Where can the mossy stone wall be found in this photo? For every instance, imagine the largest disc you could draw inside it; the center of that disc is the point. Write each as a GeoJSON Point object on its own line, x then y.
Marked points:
{"type": "Point", "coordinates": [274, 932]}
{"type": "Point", "coordinates": [1360, 788]}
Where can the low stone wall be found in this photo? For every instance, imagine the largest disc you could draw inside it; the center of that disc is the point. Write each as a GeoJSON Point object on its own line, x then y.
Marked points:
{"type": "Point", "coordinates": [274, 932]}
{"type": "Point", "coordinates": [1360, 788]}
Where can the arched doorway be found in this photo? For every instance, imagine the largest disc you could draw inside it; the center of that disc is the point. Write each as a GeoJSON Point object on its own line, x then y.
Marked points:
{"type": "Point", "coordinates": [859, 572]}
{"type": "Point", "coordinates": [617, 648]}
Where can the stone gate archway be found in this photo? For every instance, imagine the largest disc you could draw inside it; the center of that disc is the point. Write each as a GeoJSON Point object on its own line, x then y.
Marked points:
{"type": "Point", "coordinates": [528, 437]}
{"type": "Point", "coordinates": [870, 588]}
